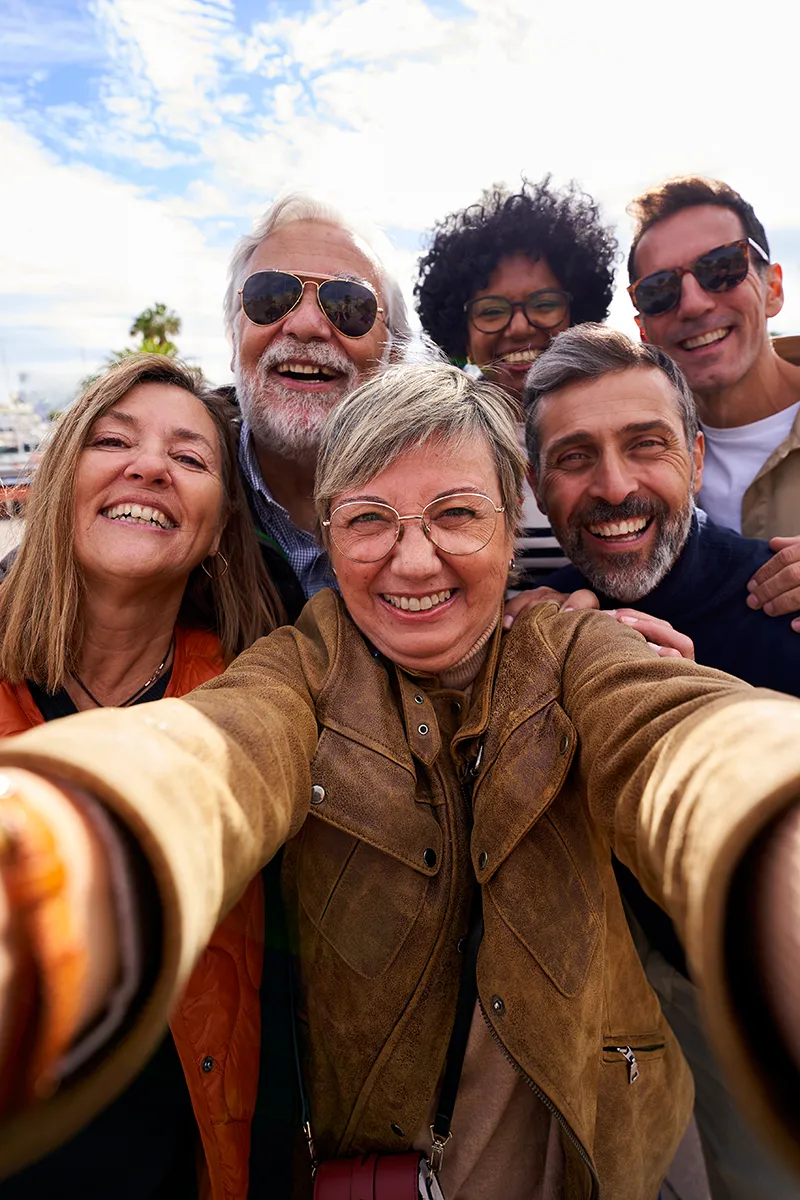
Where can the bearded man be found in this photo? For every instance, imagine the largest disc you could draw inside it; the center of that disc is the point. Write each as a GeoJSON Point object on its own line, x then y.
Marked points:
{"type": "Point", "coordinates": [312, 310]}
{"type": "Point", "coordinates": [617, 458]}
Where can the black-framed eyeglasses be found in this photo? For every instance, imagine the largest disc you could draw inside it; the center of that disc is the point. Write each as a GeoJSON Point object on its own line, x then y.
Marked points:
{"type": "Point", "coordinates": [543, 310]}
{"type": "Point", "coordinates": [718, 270]}
{"type": "Point", "coordinates": [350, 305]}
{"type": "Point", "coordinates": [366, 531]}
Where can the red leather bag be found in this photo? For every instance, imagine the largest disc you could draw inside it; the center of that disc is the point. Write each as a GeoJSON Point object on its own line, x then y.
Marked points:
{"type": "Point", "coordinates": [371, 1177]}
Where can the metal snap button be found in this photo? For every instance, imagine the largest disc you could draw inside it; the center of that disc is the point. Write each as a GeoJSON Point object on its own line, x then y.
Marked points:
{"type": "Point", "coordinates": [419, 699]}
{"type": "Point", "coordinates": [498, 1006]}
{"type": "Point", "coordinates": [207, 1064]}
{"type": "Point", "coordinates": [423, 729]}
{"type": "Point", "coordinates": [563, 745]}
{"type": "Point", "coordinates": [429, 857]}
{"type": "Point", "coordinates": [317, 794]}
{"type": "Point", "coordinates": [483, 859]}
{"type": "Point", "coordinates": [456, 706]}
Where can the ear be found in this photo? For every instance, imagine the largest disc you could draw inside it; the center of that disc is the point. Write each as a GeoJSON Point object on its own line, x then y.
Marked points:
{"type": "Point", "coordinates": [774, 289]}
{"type": "Point", "coordinates": [698, 455]}
{"type": "Point", "coordinates": [640, 325]}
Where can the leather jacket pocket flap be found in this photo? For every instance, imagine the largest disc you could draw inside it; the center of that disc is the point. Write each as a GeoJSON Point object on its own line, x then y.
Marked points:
{"type": "Point", "coordinates": [374, 799]}
{"type": "Point", "coordinates": [518, 784]}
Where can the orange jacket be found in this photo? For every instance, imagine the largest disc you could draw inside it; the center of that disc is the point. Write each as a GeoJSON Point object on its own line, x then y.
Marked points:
{"type": "Point", "coordinates": [217, 1025]}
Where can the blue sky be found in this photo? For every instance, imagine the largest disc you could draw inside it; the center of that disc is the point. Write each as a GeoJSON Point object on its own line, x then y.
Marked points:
{"type": "Point", "coordinates": [140, 137]}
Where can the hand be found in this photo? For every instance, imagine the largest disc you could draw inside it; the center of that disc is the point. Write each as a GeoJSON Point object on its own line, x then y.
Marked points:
{"type": "Point", "coordinates": [659, 635]}
{"type": "Point", "coordinates": [84, 907]}
{"type": "Point", "coordinates": [776, 928]}
{"type": "Point", "coordinates": [525, 600]}
{"type": "Point", "coordinates": [775, 587]}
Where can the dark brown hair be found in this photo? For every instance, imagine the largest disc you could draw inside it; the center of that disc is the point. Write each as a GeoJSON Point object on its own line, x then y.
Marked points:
{"type": "Point", "coordinates": [690, 191]}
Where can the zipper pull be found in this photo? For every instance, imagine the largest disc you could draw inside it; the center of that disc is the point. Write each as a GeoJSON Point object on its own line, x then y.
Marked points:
{"type": "Point", "coordinates": [630, 1059]}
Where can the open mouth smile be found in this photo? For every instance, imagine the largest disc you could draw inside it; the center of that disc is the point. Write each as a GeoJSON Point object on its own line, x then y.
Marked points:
{"type": "Point", "coordinates": [706, 339]}
{"type": "Point", "coordinates": [306, 372]}
{"type": "Point", "coordinates": [138, 514]}
{"type": "Point", "coordinates": [417, 604]}
{"type": "Point", "coordinates": [519, 359]}
{"type": "Point", "coordinates": [620, 532]}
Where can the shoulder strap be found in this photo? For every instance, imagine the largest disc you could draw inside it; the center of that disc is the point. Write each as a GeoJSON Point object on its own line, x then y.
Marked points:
{"type": "Point", "coordinates": [465, 1008]}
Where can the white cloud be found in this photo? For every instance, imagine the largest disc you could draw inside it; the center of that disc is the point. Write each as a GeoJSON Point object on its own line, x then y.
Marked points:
{"type": "Point", "coordinates": [87, 253]}
{"type": "Point", "coordinates": [408, 110]}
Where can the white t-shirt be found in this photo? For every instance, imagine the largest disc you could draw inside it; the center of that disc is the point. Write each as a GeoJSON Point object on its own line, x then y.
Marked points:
{"type": "Point", "coordinates": [733, 459]}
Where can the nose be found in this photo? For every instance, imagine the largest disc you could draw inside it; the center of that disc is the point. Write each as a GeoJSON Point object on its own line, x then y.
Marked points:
{"type": "Point", "coordinates": [307, 322]}
{"type": "Point", "coordinates": [414, 555]}
{"type": "Point", "coordinates": [695, 301]}
{"type": "Point", "coordinates": [519, 329]}
{"type": "Point", "coordinates": [612, 481]}
{"type": "Point", "coordinates": [150, 465]}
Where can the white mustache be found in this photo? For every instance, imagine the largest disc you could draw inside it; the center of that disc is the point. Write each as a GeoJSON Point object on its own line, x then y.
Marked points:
{"type": "Point", "coordinates": [321, 354]}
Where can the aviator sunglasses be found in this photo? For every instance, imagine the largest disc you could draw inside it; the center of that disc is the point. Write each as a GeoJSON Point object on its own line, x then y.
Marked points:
{"type": "Point", "coordinates": [718, 270]}
{"type": "Point", "coordinates": [350, 305]}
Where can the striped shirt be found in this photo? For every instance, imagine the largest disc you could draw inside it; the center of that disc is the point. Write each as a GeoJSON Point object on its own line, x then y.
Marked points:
{"type": "Point", "coordinates": [300, 548]}
{"type": "Point", "coordinates": [537, 552]}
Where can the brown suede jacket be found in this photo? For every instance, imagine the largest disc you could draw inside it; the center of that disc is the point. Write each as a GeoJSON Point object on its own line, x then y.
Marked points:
{"type": "Point", "coordinates": [578, 740]}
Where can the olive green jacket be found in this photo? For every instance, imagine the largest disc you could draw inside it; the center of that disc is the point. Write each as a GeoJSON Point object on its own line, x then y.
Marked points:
{"type": "Point", "coordinates": [578, 740]}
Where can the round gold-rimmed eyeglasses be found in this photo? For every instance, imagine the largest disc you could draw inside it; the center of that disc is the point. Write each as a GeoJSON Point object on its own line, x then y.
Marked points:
{"type": "Point", "coordinates": [366, 530]}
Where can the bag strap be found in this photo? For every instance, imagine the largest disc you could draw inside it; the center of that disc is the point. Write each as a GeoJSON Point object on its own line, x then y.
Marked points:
{"type": "Point", "coordinates": [457, 1049]}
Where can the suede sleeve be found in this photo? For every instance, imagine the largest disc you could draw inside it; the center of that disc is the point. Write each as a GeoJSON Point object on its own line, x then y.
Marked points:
{"type": "Point", "coordinates": [683, 768]}
{"type": "Point", "coordinates": [209, 787]}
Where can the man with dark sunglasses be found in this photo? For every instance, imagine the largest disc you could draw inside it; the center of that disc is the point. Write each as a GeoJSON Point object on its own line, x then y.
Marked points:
{"type": "Point", "coordinates": [312, 310]}
{"type": "Point", "coordinates": [704, 288]}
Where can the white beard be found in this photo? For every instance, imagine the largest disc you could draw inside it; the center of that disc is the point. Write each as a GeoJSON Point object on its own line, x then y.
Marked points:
{"type": "Point", "coordinates": [285, 419]}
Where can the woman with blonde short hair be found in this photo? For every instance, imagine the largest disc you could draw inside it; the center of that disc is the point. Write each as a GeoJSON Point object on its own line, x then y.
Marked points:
{"type": "Point", "coordinates": [447, 797]}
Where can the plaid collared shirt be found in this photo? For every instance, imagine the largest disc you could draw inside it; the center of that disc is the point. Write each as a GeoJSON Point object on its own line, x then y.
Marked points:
{"type": "Point", "coordinates": [301, 549]}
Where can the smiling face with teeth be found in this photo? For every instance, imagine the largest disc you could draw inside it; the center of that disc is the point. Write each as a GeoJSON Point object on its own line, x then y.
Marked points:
{"type": "Point", "coordinates": [422, 608]}
{"type": "Point", "coordinates": [718, 339]}
{"type": "Point", "coordinates": [506, 357]}
{"type": "Point", "coordinates": [617, 479]}
{"type": "Point", "coordinates": [290, 374]}
{"type": "Point", "coordinates": [148, 489]}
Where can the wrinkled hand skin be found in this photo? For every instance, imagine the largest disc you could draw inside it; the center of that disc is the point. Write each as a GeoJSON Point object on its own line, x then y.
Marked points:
{"type": "Point", "coordinates": [777, 926]}
{"type": "Point", "coordinates": [525, 600]}
{"type": "Point", "coordinates": [658, 634]}
{"type": "Point", "coordinates": [775, 587]}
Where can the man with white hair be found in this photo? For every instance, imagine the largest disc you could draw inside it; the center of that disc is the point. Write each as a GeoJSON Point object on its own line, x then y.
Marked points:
{"type": "Point", "coordinates": [312, 309]}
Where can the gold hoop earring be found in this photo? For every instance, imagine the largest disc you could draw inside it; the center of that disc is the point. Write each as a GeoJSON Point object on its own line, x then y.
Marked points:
{"type": "Point", "coordinates": [224, 568]}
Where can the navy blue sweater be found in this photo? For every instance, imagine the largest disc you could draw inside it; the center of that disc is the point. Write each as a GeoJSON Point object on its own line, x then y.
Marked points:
{"type": "Point", "coordinates": [704, 596]}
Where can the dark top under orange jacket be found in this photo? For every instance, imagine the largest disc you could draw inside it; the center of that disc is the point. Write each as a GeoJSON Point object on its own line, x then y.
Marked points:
{"type": "Point", "coordinates": [218, 1021]}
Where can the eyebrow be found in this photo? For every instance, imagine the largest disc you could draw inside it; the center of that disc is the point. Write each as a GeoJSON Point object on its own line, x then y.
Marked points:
{"type": "Point", "coordinates": [180, 433]}
{"type": "Point", "coordinates": [581, 436]}
{"type": "Point", "coordinates": [467, 489]}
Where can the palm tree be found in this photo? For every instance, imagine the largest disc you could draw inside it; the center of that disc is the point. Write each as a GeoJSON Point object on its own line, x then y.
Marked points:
{"type": "Point", "coordinates": [156, 325]}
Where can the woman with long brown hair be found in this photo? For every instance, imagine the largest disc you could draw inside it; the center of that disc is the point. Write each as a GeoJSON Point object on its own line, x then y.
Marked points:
{"type": "Point", "coordinates": [139, 577]}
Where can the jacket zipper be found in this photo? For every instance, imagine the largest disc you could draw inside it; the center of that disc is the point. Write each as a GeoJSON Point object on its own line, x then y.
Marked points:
{"type": "Point", "coordinates": [630, 1058]}
{"type": "Point", "coordinates": [468, 786]}
{"type": "Point", "coordinates": [546, 1101]}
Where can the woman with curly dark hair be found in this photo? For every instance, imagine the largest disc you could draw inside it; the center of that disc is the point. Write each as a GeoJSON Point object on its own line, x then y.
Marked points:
{"type": "Point", "coordinates": [503, 277]}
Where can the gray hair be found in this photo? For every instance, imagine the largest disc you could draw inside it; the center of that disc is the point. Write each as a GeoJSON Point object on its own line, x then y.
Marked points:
{"type": "Point", "coordinates": [404, 407]}
{"type": "Point", "coordinates": [303, 206]}
{"type": "Point", "coordinates": [588, 352]}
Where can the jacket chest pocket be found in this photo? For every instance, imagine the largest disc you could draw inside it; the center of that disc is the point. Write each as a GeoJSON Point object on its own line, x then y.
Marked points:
{"type": "Point", "coordinates": [550, 894]}
{"type": "Point", "coordinates": [369, 851]}
{"type": "Point", "coordinates": [362, 902]}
